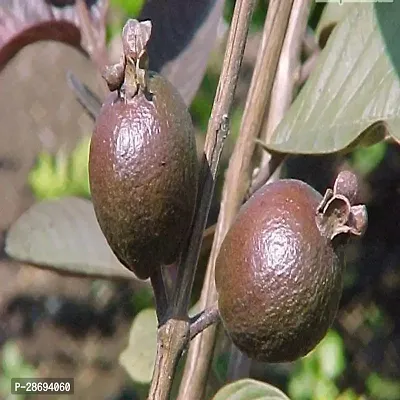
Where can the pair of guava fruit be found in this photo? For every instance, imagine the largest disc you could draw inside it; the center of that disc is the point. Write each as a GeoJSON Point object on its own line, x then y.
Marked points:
{"type": "Point", "coordinates": [280, 268]}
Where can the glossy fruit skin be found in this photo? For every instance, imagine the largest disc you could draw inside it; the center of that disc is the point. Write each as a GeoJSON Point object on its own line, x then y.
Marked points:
{"type": "Point", "coordinates": [143, 173]}
{"type": "Point", "coordinates": [278, 278]}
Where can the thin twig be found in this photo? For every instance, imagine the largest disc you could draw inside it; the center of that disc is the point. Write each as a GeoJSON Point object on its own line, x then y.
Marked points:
{"type": "Point", "coordinates": [283, 90]}
{"type": "Point", "coordinates": [186, 271]}
{"type": "Point", "coordinates": [307, 67]}
{"type": "Point", "coordinates": [89, 100]}
{"type": "Point", "coordinates": [285, 84]}
{"type": "Point", "coordinates": [160, 294]}
{"type": "Point", "coordinates": [310, 43]}
{"type": "Point", "coordinates": [265, 173]}
{"type": "Point", "coordinates": [95, 44]}
{"type": "Point", "coordinates": [203, 320]}
{"type": "Point", "coordinates": [173, 336]}
{"type": "Point", "coordinates": [284, 87]}
{"type": "Point", "coordinates": [172, 339]}
{"type": "Point", "coordinates": [236, 184]}
{"type": "Point", "coordinates": [201, 348]}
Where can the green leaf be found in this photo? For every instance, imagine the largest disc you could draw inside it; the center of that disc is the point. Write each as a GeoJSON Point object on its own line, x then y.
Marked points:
{"type": "Point", "coordinates": [49, 177]}
{"type": "Point", "coordinates": [325, 390]}
{"type": "Point", "coordinates": [249, 389]}
{"type": "Point", "coordinates": [349, 394]}
{"type": "Point", "coordinates": [332, 14]}
{"type": "Point", "coordinates": [12, 358]}
{"type": "Point", "coordinates": [138, 358]}
{"type": "Point", "coordinates": [64, 235]}
{"type": "Point", "coordinates": [13, 362]}
{"type": "Point", "coordinates": [220, 366]}
{"type": "Point", "coordinates": [330, 354]}
{"type": "Point", "coordinates": [79, 169]}
{"type": "Point", "coordinates": [142, 298]}
{"type": "Point", "coordinates": [13, 365]}
{"type": "Point", "coordinates": [63, 174]}
{"type": "Point", "coordinates": [375, 317]}
{"type": "Point", "coordinates": [366, 159]}
{"type": "Point", "coordinates": [302, 383]}
{"type": "Point", "coordinates": [130, 7]}
{"type": "Point", "coordinates": [354, 86]}
{"type": "Point", "coordinates": [381, 388]}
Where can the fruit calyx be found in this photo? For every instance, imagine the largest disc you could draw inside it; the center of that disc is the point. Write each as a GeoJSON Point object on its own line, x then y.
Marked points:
{"type": "Point", "coordinates": [337, 213]}
{"type": "Point", "coordinates": [130, 74]}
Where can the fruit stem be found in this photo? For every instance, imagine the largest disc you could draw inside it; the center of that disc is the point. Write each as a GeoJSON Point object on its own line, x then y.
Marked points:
{"type": "Point", "coordinates": [173, 336]}
{"type": "Point", "coordinates": [203, 320]}
{"type": "Point", "coordinates": [237, 177]}
{"type": "Point", "coordinates": [160, 295]}
{"type": "Point", "coordinates": [172, 339]}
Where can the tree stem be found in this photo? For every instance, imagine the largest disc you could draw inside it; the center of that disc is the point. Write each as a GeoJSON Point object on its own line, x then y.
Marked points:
{"type": "Point", "coordinates": [174, 335]}
{"type": "Point", "coordinates": [160, 294]}
{"type": "Point", "coordinates": [172, 339]}
{"type": "Point", "coordinates": [237, 180]}
{"type": "Point", "coordinates": [203, 320]}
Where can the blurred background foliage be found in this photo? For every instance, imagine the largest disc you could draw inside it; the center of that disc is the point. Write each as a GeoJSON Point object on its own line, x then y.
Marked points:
{"type": "Point", "coordinates": [329, 372]}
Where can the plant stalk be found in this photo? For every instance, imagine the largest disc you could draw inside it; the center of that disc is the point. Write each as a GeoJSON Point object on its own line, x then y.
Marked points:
{"type": "Point", "coordinates": [160, 294]}
{"type": "Point", "coordinates": [203, 320]}
{"type": "Point", "coordinates": [285, 85]}
{"type": "Point", "coordinates": [173, 336]}
{"type": "Point", "coordinates": [237, 182]}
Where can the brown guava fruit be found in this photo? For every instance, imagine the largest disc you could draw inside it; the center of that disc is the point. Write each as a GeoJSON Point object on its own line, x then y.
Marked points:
{"type": "Point", "coordinates": [143, 173]}
{"type": "Point", "coordinates": [280, 268]}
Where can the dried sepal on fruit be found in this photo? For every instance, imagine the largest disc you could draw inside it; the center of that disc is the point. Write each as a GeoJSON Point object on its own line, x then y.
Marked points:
{"type": "Point", "coordinates": [337, 213]}
{"type": "Point", "coordinates": [143, 166]}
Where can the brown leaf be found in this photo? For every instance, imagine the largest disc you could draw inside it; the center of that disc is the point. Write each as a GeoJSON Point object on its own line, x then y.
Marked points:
{"type": "Point", "coordinates": [38, 112]}
{"type": "Point", "coordinates": [89, 100]}
{"type": "Point", "coordinates": [181, 41]}
{"type": "Point", "coordinates": [179, 45]}
{"type": "Point", "coordinates": [26, 21]}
